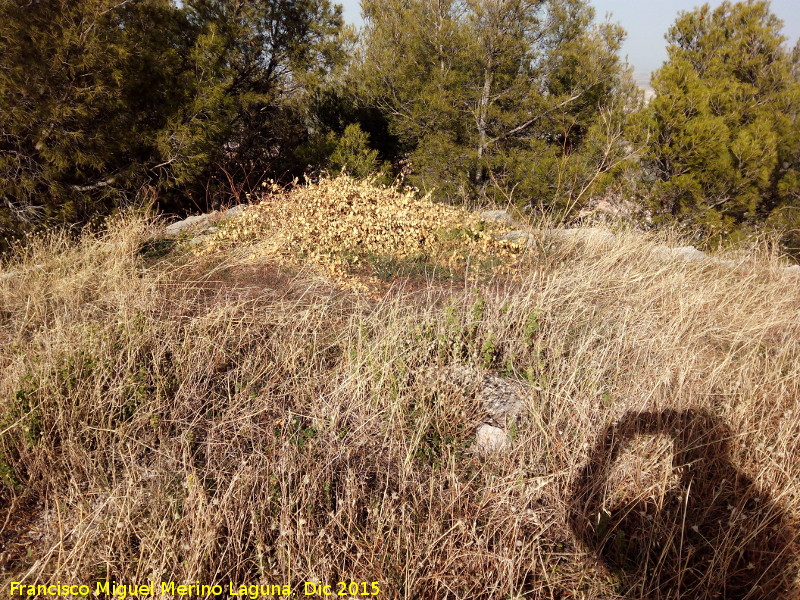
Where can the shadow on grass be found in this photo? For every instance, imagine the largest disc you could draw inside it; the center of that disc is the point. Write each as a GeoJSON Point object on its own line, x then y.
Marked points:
{"type": "Point", "coordinates": [713, 535]}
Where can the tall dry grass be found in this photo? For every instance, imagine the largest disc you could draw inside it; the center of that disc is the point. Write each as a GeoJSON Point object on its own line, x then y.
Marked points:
{"type": "Point", "coordinates": [204, 419]}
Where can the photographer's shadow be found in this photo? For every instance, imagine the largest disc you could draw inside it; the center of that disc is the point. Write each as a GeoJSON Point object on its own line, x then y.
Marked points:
{"type": "Point", "coordinates": [711, 534]}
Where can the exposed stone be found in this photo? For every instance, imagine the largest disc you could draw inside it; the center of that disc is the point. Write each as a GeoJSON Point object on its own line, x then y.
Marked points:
{"type": "Point", "coordinates": [498, 216]}
{"type": "Point", "coordinates": [196, 222]}
{"type": "Point", "coordinates": [500, 398]}
{"type": "Point", "coordinates": [199, 239]}
{"type": "Point", "coordinates": [465, 378]}
{"type": "Point", "coordinates": [689, 254]}
{"type": "Point", "coordinates": [662, 252]}
{"type": "Point", "coordinates": [685, 253]}
{"type": "Point", "coordinates": [584, 234]}
{"type": "Point", "coordinates": [613, 207]}
{"type": "Point", "coordinates": [522, 238]}
{"type": "Point", "coordinates": [489, 439]}
{"type": "Point", "coordinates": [189, 222]}
{"type": "Point", "coordinates": [234, 211]}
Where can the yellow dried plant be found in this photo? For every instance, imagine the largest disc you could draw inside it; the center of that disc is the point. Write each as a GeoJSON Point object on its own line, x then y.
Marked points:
{"type": "Point", "coordinates": [339, 223]}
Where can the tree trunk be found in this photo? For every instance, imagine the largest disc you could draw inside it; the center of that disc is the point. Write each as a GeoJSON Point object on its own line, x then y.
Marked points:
{"type": "Point", "coordinates": [483, 114]}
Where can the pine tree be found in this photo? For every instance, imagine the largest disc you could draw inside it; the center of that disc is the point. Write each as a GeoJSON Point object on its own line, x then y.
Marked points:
{"type": "Point", "coordinates": [84, 86]}
{"type": "Point", "coordinates": [495, 96]}
{"type": "Point", "coordinates": [258, 64]}
{"type": "Point", "coordinates": [724, 143]}
{"type": "Point", "coordinates": [99, 98]}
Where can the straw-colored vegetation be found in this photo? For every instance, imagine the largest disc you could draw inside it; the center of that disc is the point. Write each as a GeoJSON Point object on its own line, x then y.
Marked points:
{"type": "Point", "coordinates": [231, 417]}
{"type": "Point", "coordinates": [359, 232]}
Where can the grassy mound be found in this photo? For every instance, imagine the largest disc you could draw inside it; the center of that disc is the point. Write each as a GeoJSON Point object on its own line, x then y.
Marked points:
{"type": "Point", "coordinates": [213, 419]}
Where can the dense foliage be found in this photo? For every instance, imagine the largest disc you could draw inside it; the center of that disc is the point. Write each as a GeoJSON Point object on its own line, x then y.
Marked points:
{"type": "Point", "coordinates": [725, 148]}
{"type": "Point", "coordinates": [514, 97]}
{"type": "Point", "coordinates": [102, 99]}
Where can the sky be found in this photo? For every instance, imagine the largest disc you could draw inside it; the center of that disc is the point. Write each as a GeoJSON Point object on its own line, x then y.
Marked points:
{"type": "Point", "coordinates": [646, 22]}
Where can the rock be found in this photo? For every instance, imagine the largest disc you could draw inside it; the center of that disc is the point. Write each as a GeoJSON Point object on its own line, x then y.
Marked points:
{"type": "Point", "coordinates": [501, 399]}
{"type": "Point", "coordinates": [489, 439]}
{"type": "Point", "coordinates": [584, 234]}
{"type": "Point", "coordinates": [521, 238]}
{"type": "Point", "coordinates": [199, 239]}
{"type": "Point", "coordinates": [234, 211]}
{"type": "Point", "coordinates": [616, 208]}
{"type": "Point", "coordinates": [195, 220]}
{"type": "Point", "coordinates": [685, 253]}
{"type": "Point", "coordinates": [498, 216]}
{"type": "Point", "coordinates": [689, 254]}
{"type": "Point", "coordinates": [465, 378]}
{"type": "Point", "coordinates": [601, 235]}
{"type": "Point", "coordinates": [605, 207]}
{"type": "Point", "coordinates": [662, 252]}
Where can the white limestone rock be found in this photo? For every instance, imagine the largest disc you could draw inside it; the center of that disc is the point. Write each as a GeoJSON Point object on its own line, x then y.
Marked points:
{"type": "Point", "coordinates": [195, 221]}
{"type": "Point", "coordinates": [234, 211]}
{"type": "Point", "coordinates": [521, 238]}
{"type": "Point", "coordinates": [498, 216]}
{"type": "Point", "coordinates": [685, 253]}
{"type": "Point", "coordinates": [689, 254]}
{"type": "Point", "coordinates": [490, 439]}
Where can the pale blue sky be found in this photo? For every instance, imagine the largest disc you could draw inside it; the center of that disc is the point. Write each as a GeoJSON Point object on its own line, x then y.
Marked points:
{"type": "Point", "coordinates": [646, 22]}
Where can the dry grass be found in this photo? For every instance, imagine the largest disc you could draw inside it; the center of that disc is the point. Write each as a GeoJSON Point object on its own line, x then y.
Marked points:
{"type": "Point", "coordinates": [213, 419]}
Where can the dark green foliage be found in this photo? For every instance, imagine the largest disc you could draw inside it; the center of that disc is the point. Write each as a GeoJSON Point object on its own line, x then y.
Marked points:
{"type": "Point", "coordinates": [499, 98]}
{"type": "Point", "coordinates": [335, 107]}
{"type": "Point", "coordinates": [724, 143]}
{"type": "Point", "coordinates": [106, 104]}
{"type": "Point", "coordinates": [262, 61]}
{"type": "Point", "coordinates": [84, 88]}
{"type": "Point", "coordinates": [352, 153]}
{"type": "Point", "coordinates": [101, 99]}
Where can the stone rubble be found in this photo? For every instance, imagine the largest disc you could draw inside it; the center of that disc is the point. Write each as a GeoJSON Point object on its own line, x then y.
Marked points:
{"type": "Point", "coordinates": [517, 236]}
{"type": "Point", "coordinates": [523, 238]}
{"type": "Point", "coordinates": [502, 401]}
{"type": "Point", "coordinates": [195, 222]}
{"type": "Point", "coordinates": [497, 216]}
